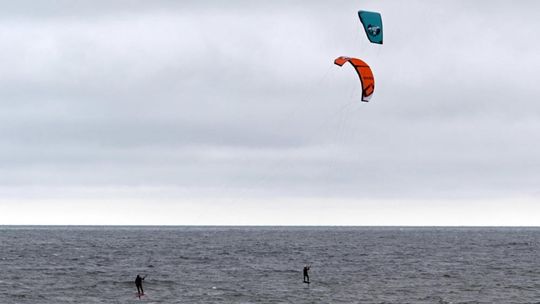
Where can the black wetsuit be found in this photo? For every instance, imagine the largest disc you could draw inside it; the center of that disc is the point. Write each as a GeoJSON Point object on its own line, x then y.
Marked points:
{"type": "Point", "coordinates": [138, 283]}
{"type": "Point", "coordinates": [306, 275]}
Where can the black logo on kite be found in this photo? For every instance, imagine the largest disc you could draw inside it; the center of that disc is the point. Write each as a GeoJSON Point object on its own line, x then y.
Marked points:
{"type": "Point", "coordinates": [373, 30]}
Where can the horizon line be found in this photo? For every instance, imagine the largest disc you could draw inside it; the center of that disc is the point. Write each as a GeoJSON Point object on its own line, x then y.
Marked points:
{"type": "Point", "coordinates": [263, 226]}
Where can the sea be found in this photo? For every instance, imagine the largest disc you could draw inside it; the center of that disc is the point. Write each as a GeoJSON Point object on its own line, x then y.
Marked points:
{"type": "Point", "coordinates": [54, 264]}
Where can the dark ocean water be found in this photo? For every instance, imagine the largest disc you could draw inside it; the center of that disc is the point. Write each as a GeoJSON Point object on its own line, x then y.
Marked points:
{"type": "Point", "coordinates": [264, 265]}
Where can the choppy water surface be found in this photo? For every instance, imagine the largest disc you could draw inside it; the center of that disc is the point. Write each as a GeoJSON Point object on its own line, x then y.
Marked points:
{"type": "Point", "coordinates": [264, 265]}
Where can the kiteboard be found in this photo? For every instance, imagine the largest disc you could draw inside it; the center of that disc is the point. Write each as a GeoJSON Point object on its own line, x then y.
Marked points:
{"type": "Point", "coordinates": [306, 282]}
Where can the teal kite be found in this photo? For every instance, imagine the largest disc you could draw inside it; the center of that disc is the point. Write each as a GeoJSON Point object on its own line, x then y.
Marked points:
{"type": "Point", "coordinates": [372, 22]}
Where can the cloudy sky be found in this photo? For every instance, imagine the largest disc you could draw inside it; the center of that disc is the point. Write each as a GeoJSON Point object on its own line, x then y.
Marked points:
{"type": "Point", "coordinates": [232, 112]}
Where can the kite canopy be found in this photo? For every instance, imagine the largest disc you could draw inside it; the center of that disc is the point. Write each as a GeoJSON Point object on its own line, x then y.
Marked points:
{"type": "Point", "coordinates": [364, 72]}
{"type": "Point", "coordinates": [372, 22]}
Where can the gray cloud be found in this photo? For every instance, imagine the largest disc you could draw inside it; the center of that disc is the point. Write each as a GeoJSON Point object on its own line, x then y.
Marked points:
{"type": "Point", "coordinates": [242, 99]}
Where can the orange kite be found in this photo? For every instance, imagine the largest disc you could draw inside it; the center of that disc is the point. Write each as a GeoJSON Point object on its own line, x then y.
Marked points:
{"type": "Point", "coordinates": [364, 72]}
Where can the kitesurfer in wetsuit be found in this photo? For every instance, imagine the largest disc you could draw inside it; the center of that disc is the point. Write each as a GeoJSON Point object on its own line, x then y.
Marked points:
{"type": "Point", "coordinates": [138, 283]}
{"type": "Point", "coordinates": [306, 275]}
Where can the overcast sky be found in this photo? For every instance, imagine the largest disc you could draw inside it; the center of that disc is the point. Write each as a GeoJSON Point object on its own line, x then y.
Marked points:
{"type": "Point", "coordinates": [232, 112]}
